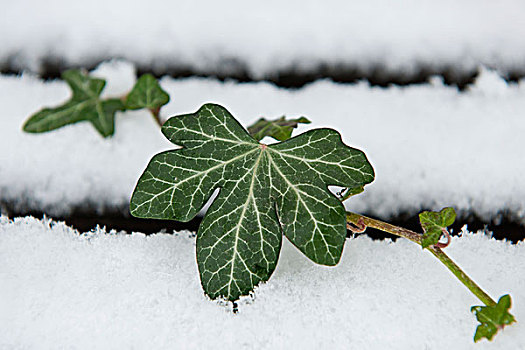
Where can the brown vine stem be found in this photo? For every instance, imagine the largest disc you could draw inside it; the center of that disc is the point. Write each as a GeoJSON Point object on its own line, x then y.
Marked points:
{"type": "Point", "coordinates": [360, 227]}
{"type": "Point", "coordinates": [156, 116]}
{"type": "Point", "coordinates": [447, 236]}
{"type": "Point", "coordinates": [415, 237]}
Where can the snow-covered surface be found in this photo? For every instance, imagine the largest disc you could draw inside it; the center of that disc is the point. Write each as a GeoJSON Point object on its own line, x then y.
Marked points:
{"type": "Point", "coordinates": [60, 289]}
{"type": "Point", "coordinates": [267, 36]}
{"type": "Point", "coordinates": [431, 146]}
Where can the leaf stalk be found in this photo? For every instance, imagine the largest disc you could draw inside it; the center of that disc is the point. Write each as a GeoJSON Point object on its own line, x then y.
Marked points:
{"type": "Point", "coordinates": [155, 113]}
{"type": "Point", "coordinates": [415, 237]}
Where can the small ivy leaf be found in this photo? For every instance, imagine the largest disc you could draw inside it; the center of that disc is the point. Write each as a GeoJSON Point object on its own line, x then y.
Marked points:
{"type": "Point", "coordinates": [147, 93]}
{"type": "Point", "coordinates": [84, 104]}
{"type": "Point", "coordinates": [492, 318]}
{"type": "Point", "coordinates": [350, 192]}
{"type": "Point", "coordinates": [280, 129]}
{"type": "Point", "coordinates": [265, 191]}
{"type": "Point", "coordinates": [433, 224]}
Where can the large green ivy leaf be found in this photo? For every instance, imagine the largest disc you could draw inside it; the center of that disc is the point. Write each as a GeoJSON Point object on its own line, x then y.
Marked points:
{"type": "Point", "coordinates": [280, 129]}
{"type": "Point", "coordinates": [84, 104]}
{"type": "Point", "coordinates": [492, 318]}
{"type": "Point", "coordinates": [265, 191]}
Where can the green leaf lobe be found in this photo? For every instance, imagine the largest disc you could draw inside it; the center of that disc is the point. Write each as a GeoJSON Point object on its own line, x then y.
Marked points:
{"type": "Point", "coordinates": [147, 93]}
{"type": "Point", "coordinates": [84, 105]}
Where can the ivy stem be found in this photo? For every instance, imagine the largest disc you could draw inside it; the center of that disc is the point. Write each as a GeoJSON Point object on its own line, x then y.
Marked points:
{"type": "Point", "coordinates": [156, 115]}
{"type": "Point", "coordinates": [415, 237]}
{"type": "Point", "coordinates": [447, 236]}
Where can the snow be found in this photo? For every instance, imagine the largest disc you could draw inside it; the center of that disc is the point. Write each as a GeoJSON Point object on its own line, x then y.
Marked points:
{"type": "Point", "coordinates": [264, 38]}
{"type": "Point", "coordinates": [64, 289]}
{"type": "Point", "coordinates": [431, 145]}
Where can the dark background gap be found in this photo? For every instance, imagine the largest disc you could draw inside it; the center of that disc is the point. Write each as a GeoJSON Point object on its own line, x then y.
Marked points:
{"type": "Point", "coordinates": [85, 221]}
{"type": "Point", "coordinates": [52, 68]}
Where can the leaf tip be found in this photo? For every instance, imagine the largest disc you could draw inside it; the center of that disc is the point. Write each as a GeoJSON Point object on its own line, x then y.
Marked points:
{"type": "Point", "coordinates": [28, 127]}
{"type": "Point", "coordinates": [146, 93]}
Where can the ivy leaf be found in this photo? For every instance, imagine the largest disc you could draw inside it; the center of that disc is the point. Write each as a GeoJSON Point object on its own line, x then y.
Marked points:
{"type": "Point", "coordinates": [147, 93]}
{"type": "Point", "coordinates": [433, 224]}
{"type": "Point", "coordinates": [280, 129]}
{"type": "Point", "coordinates": [492, 318]}
{"type": "Point", "coordinates": [84, 104]}
{"type": "Point", "coordinates": [265, 191]}
{"type": "Point", "coordinates": [349, 192]}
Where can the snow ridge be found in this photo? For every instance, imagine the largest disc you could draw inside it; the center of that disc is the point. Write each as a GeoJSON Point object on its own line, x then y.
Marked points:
{"type": "Point", "coordinates": [61, 289]}
{"type": "Point", "coordinates": [431, 146]}
{"type": "Point", "coordinates": [267, 37]}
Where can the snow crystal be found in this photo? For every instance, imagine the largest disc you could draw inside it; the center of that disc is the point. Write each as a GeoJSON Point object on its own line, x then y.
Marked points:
{"type": "Point", "coordinates": [269, 36]}
{"type": "Point", "coordinates": [63, 289]}
{"type": "Point", "coordinates": [431, 145]}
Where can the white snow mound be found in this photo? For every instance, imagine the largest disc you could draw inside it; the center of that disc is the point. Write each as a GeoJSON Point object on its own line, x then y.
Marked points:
{"type": "Point", "coordinates": [431, 146]}
{"type": "Point", "coordinates": [63, 289]}
{"type": "Point", "coordinates": [265, 37]}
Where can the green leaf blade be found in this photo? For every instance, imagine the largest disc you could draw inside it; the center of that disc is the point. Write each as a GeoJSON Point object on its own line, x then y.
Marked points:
{"type": "Point", "coordinates": [280, 129]}
{"type": "Point", "coordinates": [147, 93]}
{"type": "Point", "coordinates": [260, 196]}
{"type": "Point", "coordinates": [84, 105]}
{"type": "Point", "coordinates": [492, 318]}
{"type": "Point", "coordinates": [433, 224]}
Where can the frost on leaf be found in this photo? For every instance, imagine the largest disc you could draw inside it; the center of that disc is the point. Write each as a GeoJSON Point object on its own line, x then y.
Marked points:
{"type": "Point", "coordinates": [146, 93]}
{"type": "Point", "coordinates": [433, 224]}
{"type": "Point", "coordinates": [84, 105]}
{"type": "Point", "coordinates": [492, 318]}
{"type": "Point", "coordinates": [280, 129]}
{"type": "Point", "coordinates": [265, 191]}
